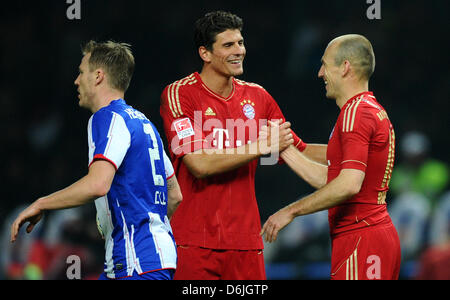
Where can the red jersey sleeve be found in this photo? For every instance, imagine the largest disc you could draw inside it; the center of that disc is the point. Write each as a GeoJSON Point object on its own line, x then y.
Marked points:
{"type": "Point", "coordinates": [274, 113]}
{"type": "Point", "coordinates": [357, 131]}
{"type": "Point", "coordinates": [183, 132]}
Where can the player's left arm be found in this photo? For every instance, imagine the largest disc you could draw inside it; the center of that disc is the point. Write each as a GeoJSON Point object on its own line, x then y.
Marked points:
{"type": "Point", "coordinates": [174, 194]}
{"type": "Point", "coordinates": [316, 153]}
{"type": "Point", "coordinates": [355, 141]}
{"type": "Point", "coordinates": [312, 172]}
{"type": "Point", "coordinates": [347, 184]}
{"type": "Point", "coordinates": [90, 187]}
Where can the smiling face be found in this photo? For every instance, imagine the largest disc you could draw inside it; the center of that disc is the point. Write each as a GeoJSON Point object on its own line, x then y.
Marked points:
{"type": "Point", "coordinates": [227, 55]}
{"type": "Point", "coordinates": [330, 72]}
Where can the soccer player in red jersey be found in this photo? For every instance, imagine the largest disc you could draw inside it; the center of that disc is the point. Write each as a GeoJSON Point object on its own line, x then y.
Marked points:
{"type": "Point", "coordinates": [212, 121]}
{"type": "Point", "coordinates": [360, 158]}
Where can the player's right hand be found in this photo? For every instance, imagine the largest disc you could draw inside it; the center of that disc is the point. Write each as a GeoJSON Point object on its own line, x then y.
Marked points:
{"type": "Point", "coordinates": [31, 214]}
{"type": "Point", "coordinates": [275, 223]}
{"type": "Point", "coordinates": [285, 137]}
{"type": "Point", "coordinates": [275, 137]}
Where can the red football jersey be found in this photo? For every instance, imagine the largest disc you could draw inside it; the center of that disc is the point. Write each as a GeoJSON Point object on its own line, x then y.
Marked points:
{"type": "Point", "coordinates": [363, 139]}
{"type": "Point", "coordinates": [218, 212]}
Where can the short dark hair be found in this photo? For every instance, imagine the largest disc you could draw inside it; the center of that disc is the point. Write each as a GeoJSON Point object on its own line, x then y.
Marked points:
{"type": "Point", "coordinates": [116, 59]}
{"type": "Point", "coordinates": [358, 50]}
{"type": "Point", "coordinates": [212, 24]}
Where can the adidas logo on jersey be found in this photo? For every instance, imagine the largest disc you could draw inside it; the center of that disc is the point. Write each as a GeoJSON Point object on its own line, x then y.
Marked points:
{"type": "Point", "coordinates": [209, 112]}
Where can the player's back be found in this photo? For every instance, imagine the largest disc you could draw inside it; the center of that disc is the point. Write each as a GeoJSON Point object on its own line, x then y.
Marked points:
{"type": "Point", "coordinates": [133, 215]}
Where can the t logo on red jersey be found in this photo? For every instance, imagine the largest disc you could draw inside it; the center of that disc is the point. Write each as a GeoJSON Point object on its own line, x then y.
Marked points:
{"type": "Point", "coordinates": [222, 138]}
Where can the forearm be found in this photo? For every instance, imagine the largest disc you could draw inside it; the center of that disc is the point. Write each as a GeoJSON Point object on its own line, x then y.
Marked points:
{"type": "Point", "coordinates": [92, 186]}
{"type": "Point", "coordinates": [209, 162]}
{"type": "Point", "coordinates": [174, 196]}
{"type": "Point", "coordinates": [312, 172]}
{"type": "Point", "coordinates": [328, 196]}
{"type": "Point", "coordinates": [347, 184]}
{"type": "Point", "coordinates": [316, 152]}
{"type": "Point", "coordinates": [171, 208]}
{"type": "Point", "coordinates": [272, 140]}
{"type": "Point", "coordinates": [77, 194]}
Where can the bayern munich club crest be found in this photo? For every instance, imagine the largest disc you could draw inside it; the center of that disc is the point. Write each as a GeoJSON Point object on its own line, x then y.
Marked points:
{"type": "Point", "coordinates": [248, 109]}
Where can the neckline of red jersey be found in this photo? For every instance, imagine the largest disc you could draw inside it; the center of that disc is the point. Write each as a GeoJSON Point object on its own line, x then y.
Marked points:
{"type": "Point", "coordinates": [369, 93]}
{"type": "Point", "coordinates": [197, 75]}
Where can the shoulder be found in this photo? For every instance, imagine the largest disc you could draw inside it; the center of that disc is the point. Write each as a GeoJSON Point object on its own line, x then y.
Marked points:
{"type": "Point", "coordinates": [180, 86]}
{"type": "Point", "coordinates": [113, 114]}
{"type": "Point", "coordinates": [102, 115]}
{"type": "Point", "coordinates": [249, 85]}
{"type": "Point", "coordinates": [370, 103]}
{"type": "Point", "coordinates": [373, 110]}
{"type": "Point", "coordinates": [107, 122]}
{"type": "Point", "coordinates": [255, 90]}
{"type": "Point", "coordinates": [175, 95]}
{"type": "Point", "coordinates": [365, 104]}
{"type": "Point", "coordinates": [363, 109]}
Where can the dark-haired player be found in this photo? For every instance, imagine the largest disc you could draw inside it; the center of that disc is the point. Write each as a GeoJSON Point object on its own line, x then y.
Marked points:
{"type": "Point", "coordinates": [212, 121]}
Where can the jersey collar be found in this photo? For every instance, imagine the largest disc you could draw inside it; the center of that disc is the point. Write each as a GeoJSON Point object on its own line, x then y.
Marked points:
{"type": "Point", "coordinates": [199, 78]}
{"type": "Point", "coordinates": [120, 100]}
{"type": "Point", "coordinates": [360, 95]}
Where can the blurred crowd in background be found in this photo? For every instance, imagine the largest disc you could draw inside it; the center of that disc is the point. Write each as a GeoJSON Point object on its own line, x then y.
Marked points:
{"type": "Point", "coordinates": [44, 144]}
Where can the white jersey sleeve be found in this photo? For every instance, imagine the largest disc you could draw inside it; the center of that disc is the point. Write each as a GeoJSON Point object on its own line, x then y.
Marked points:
{"type": "Point", "coordinates": [108, 137]}
{"type": "Point", "coordinates": [168, 166]}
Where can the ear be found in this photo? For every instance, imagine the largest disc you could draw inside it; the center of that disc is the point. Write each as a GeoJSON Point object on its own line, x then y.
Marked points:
{"type": "Point", "coordinates": [204, 53]}
{"type": "Point", "coordinates": [345, 68]}
{"type": "Point", "coordinates": [99, 76]}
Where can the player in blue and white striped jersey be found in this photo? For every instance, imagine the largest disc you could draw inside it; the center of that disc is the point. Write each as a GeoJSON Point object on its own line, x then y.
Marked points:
{"type": "Point", "coordinates": [132, 216]}
{"type": "Point", "coordinates": [129, 173]}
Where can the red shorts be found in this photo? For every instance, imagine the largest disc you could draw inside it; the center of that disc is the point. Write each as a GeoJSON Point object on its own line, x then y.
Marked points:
{"type": "Point", "coordinates": [196, 263]}
{"type": "Point", "coordinates": [369, 253]}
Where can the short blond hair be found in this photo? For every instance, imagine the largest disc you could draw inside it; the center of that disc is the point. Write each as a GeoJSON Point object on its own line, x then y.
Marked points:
{"type": "Point", "coordinates": [116, 59]}
{"type": "Point", "coordinates": [358, 50]}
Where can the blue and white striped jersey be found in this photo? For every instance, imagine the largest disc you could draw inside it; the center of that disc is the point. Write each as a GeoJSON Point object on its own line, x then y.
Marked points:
{"type": "Point", "coordinates": [132, 217]}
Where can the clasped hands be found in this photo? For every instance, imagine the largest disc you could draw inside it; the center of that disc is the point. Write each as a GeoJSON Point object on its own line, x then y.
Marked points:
{"type": "Point", "coordinates": [275, 137]}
